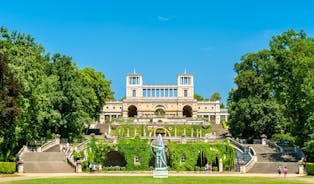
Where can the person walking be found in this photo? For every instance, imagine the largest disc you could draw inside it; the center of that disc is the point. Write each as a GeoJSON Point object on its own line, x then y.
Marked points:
{"type": "Point", "coordinates": [279, 170]}
{"type": "Point", "coordinates": [285, 171]}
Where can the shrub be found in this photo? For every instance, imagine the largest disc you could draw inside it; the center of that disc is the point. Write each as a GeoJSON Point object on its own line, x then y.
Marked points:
{"type": "Point", "coordinates": [310, 168]}
{"type": "Point", "coordinates": [7, 167]}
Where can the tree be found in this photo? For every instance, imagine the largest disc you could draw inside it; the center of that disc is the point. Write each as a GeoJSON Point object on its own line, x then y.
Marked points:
{"type": "Point", "coordinates": [99, 90]}
{"type": "Point", "coordinates": [198, 97]}
{"type": "Point", "coordinates": [276, 84]}
{"type": "Point", "coordinates": [215, 97]}
{"type": "Point", "coordinates": [9, 91]}
{"type": "Point", "coordinates": [73, 97]}
{"type": "Point", "coordinates": [252, 110]}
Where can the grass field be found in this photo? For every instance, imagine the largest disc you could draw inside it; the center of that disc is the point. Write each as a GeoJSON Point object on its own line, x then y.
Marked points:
{"type": "Point", "coordinates": [150, 180]}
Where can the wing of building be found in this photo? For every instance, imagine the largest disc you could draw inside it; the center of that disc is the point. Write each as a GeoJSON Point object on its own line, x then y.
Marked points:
{"type": "Point", "coordinates": [170, 101]}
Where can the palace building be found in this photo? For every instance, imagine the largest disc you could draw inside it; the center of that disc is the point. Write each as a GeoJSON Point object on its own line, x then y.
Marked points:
{"type": "Point", "coordinates": [171, 101]}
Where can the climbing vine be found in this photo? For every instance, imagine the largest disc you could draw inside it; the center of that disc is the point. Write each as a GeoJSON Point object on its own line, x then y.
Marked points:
{"type": "Point", "coordinates": [191, 151]}
{"type": "Point", "coordinates": [131, 148]}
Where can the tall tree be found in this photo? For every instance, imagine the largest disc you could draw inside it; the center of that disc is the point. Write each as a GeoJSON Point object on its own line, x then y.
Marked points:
{"type": "Point", "coordinates": [99, 90]}
{"type": "Point", "coordinates": [9, 91]}
{"type": "Point", "coordinates": [252, 110]}
{"type": "Point", "coordinates": [280, 80]}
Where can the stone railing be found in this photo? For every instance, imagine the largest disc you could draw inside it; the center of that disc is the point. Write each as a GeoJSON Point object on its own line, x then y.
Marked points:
{"type": "Point", "coordinates": [49, 144]}
{"type": "Point", "coordinates": [252, 153]}
{"type": "Point", "coordinates": [23, 150]}
{"type": "Point", "coordinates": [245, 166]}
{"type": "Point", "coordinates": [69, 154]}
{"type": "Point", "coordinates": [273, 145]}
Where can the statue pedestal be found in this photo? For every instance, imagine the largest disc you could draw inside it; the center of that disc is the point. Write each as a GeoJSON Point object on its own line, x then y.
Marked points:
{"type": "Point", "coordinates": [160, 173]}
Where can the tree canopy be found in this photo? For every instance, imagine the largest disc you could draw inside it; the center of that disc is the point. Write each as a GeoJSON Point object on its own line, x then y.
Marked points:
{"type": "Point", "coordinates": [47, 95]}
{"type": "Point", "coordinates": [274, 91]}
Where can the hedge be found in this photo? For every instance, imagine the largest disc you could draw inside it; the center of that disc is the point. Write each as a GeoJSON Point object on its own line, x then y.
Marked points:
{"type": "Point", "coordinates": [7, 167]}
{"type": "Point", "coordinates": [310, 168]}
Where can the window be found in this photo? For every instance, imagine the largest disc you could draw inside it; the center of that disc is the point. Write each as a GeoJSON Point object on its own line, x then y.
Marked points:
{"type": "Point", "coordinates": [144, 93]}
{"type": "Point", "coordinates": [148, 92]}
{"type": "Point", "coordinates": [157, 93]}
{"type": "Point", "coordinates": [185, 93]}
{"type": "Point", "coordinates": [175, 92]}
{"type": "Point", "coordinates": [212, 117]}
{"type": "Point", "coordinates": [185, 80]}
{"type": "Point", "coordinates": [153, 92]}
{"type": "Point", "coordinates": [162, 93]}
{"type": "Point", "coordinates": [166, 93]}
{"type": "Point", "coordinates": [134, 80]}
{"type": "Point", "coordinates": [134, 93]}
{"type": "Point", "coordinates": [170, 92]}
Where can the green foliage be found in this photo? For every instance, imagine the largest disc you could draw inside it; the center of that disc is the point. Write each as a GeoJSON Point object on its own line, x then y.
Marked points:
{"type": "Point", "coordinates": [309, 168]}
{"type": "Point", "coordinates": [224, 124]}
{"type": "Point", "coordinates": [191, 151]}
{"type": "Point", "coordinates": [215, 97]}
{"type": "Point", "coordinates": [123, 129]}
{"type": "Point", "coordinates": [98, 89]}
{"type": "Point", "coordinates": [9, 91]}
{"type": "Point", "coordinates": [284, 137]}
{"type": "Point", "coordinates": [275, 90]}
{"type": "Point", "coordinates": [309, 148]}
{"type": "Point", "coordinates": [198, 97]}
{"type": "Point", "coordinates": [97, 151]}
{"type": "Point", "coordinates": [7, 167]}
{"type": "Point", "coordinates": [55, 97]}
{"type": "Point", "coordinates": [135, 147]}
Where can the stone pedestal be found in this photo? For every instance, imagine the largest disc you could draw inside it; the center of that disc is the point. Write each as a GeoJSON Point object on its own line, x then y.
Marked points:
{"type": "Point", "coordinates": [20, 166]}
{"type": "Point", "coordinates": [78, 167]}
{"type": "Point", "coordinates": [58, 139]}
{"type": "Point", "coordinates": [220, 165]}
{"type": "Point", "coordinates": [160, 173]}
{"type": "Point", "coordinates": [264, 139]}
{"type": "Point", "coordinates": [301, 167]}
{"type": "Point", "coordinates": [242, 167]}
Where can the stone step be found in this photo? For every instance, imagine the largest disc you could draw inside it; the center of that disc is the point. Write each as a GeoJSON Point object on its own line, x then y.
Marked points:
{"type": "Point", "coordinates": [47, 167]}
{"type": "Point", "coordinates": [43, 156]}
{"type": "Point", "coordinates": [55, 148]}
{"type": "Point", "coordinates": [271, 167]}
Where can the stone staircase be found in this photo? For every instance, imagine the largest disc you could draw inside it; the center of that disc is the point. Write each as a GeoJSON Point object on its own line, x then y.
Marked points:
{"type": "Point", "coordinates": [50, 161]}
{"type": "Point", "coordinates": [269, 159]}
{"type": "Point", "coordinates": [219, 130]}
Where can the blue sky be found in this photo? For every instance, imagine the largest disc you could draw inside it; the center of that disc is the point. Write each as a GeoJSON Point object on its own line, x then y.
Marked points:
{"type": "Point", "coordinates": [158, 38]}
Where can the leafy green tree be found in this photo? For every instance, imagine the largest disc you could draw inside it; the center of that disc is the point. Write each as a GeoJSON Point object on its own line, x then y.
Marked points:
{"type": "Point", "coordinates": [99, 90]}
{"type": "Point", "coordinates": [9, 91]}
{"type": "Point", "coordinates": [292, 81]}
{"type": "Point", "coordinates": [198, 97]}
{"type": "Point", "coordinates": [215, 97]}
{"type": "Point", "coordinates": [276, 85]}
{"type": "Point", "coordinates": [252, 110]}
{"type": "Point", "coordinates": [73, 97]}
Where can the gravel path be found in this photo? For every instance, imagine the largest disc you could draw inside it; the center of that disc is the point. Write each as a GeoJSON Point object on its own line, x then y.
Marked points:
{"type": "Point", "coordinates": [56, 175]}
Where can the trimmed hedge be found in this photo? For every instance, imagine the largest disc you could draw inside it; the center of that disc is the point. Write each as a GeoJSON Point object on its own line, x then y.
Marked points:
{"type": "Point", "coordinates": [310, 168]}
{"type": "Point", "coordinates": [7, 167]}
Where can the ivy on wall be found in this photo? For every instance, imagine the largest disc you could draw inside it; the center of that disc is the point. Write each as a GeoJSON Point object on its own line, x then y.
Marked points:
{"type": "Point", "coordinates": [191, 152]}
{"type": "Point", "coordinates": [130, 148]}
{"type": "Point", "coordinates": [135, 147]}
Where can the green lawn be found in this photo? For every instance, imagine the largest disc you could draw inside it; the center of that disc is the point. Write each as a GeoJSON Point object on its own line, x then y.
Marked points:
{"type": "Point", "coordinates": [150, 180]}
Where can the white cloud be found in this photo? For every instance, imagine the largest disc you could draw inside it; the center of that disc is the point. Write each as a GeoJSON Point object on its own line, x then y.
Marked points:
{"type": "Point", "coordinates": [164, 19]}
